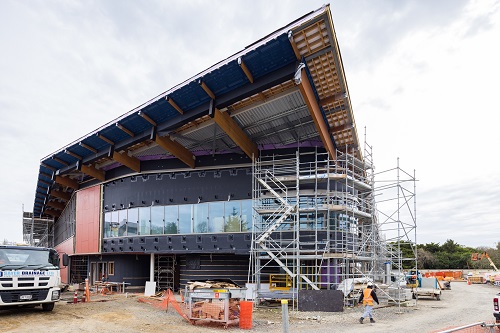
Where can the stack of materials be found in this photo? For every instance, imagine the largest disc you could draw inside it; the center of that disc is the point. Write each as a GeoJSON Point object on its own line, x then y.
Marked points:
{"type": "Point", "coordinates": [216, 301]}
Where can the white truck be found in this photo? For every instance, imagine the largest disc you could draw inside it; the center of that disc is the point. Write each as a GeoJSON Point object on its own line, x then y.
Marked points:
{"type": "Point", "coordinates": [29, 276]}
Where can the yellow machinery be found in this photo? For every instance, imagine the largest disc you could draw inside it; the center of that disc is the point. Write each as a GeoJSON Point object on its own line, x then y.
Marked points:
{"type": "Point", "coordinates": [280, 282]}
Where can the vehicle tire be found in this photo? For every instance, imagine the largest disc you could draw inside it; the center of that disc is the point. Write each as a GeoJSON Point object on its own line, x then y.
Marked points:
{"type": "Point", "coordinates": [438, 297]}
{"type": "Point", "coordinates": [48, 306]}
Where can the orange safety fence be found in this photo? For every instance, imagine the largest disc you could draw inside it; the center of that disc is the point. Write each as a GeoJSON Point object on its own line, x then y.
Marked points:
{"type": "Point", "coordinates": [445, 275]}
{"type": "Point", "coordinates": [163, 302]}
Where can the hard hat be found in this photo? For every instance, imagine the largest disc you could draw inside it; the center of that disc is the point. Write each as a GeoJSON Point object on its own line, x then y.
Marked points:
{"type": "Point", "coordinates": [369, 284]}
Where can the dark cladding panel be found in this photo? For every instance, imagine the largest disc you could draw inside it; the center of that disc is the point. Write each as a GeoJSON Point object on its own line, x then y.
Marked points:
{"type": "Point", "coordinates": [64, 227]}
{"type": "Point", "coordinates": [321, 300]}
{"type": "Point", "coordinates": [179, 188]}
{"type": "Point", "coordinates": [202, 267]}
{"type": "Point", "coordinates": [234, 243]}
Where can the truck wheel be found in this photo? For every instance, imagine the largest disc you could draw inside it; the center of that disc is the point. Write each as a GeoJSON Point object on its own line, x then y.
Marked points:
{"type": "Point", "coordinates": [48, 306]}
{"type": "Point", "coordinates": [438, 297]}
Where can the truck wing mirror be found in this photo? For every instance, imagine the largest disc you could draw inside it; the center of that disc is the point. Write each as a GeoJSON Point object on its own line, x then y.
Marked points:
{"type": "Point", "coordinates": [65, 260]}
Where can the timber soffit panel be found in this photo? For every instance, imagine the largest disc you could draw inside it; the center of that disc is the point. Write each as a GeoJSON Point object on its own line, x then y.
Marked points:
{"type": "Point", "coordinates": [246, 86]}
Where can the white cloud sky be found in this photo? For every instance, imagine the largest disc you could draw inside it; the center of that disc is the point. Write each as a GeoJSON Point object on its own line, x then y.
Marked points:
{"type": "Point", "coordinates": [422, 77]}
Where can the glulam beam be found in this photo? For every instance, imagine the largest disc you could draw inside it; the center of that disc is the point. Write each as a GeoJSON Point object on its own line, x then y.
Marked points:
{"type": "Point", "coordinates": [130, 162]}
{"type": "Point", "coordinates": [61, 195]}
{"type": "Point", "coordinates": [245, 69]}
{"type": "Point", "coordinates": [66, 181]}
{"type": "Point", "coordinates": [173, 104]}
{"type": "Point", "coordinates": [91, 171]}
{"type": "Point", "coordinates": [176, 149]}
{"type": "Point", "coordinates": [231, 128]}
{"type": "Point", "coordinates": [315, 111]}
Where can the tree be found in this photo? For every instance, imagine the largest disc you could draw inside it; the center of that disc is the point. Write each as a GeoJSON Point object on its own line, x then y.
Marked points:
{"type": "Point", "coordinates": [426, 259]}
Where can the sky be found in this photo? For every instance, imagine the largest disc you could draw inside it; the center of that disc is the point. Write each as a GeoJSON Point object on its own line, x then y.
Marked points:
{"type": "Point", "coordinates": [422, 75]}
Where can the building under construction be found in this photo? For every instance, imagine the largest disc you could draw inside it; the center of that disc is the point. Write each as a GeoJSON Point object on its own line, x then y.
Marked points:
{"type": "Point", "coordinates": [251, 170]}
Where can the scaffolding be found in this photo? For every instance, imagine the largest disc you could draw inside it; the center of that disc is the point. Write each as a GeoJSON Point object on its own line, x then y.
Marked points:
{"type": "Point", "coordinates": [38, 231]}
{"type": "Point", "coordinates": [325, 224]}
{"type": "Point", "coordinates": [395, 190]}
{"type": "Point", "coordinates": [164, 272]}
{"type": "Point", "coordinates": [314, 223]}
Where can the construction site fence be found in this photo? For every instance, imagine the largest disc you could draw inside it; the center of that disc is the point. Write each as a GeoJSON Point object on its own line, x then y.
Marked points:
{"type": "Point", "coordinates": [441, 275]}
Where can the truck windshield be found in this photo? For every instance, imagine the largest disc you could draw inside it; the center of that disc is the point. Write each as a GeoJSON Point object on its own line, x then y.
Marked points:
{"type": "Point", "coordinates": [28, 258]}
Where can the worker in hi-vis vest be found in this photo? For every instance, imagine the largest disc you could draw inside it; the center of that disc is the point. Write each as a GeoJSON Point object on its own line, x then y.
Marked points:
{"type": "Point", "coordinates": [367, 297]}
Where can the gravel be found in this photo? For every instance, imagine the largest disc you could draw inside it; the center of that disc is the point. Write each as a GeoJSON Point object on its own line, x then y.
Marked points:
{"type": "Point", "coordinates": [463, 304]}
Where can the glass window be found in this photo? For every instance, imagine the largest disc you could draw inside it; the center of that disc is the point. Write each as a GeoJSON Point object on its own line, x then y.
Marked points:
{"type": "Point", "coordinates": [111, 268]}
{"type": "Point", "coordinates": [133, 221]}
{"type": "Point", "coordinates": [157, 220]}
{"type": "Point", "coordinates": [144, 221]}
{"type": "Point", "coordinates": [232, 216]}
{"type": "Point", "coordinates": [200, 218]}
{"type": "Point", "coordinates": [185, 219]}
{"type": "Point", "coordinates": [122, 220]}
{"type": "Point", "coordinates": [107, 225]}
{"type": "Point", "coordinates": [114, 224]}
{"type": "Point", "coordinates": [216, 213]}
{"type": "Point", "coordinates": [171, 219]}
{"type": "Point", "coordinates": [246, 215]}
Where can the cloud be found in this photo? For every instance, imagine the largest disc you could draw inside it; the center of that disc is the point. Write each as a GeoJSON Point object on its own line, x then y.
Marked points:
{"type": "Point", "coordinates": [421, 77]}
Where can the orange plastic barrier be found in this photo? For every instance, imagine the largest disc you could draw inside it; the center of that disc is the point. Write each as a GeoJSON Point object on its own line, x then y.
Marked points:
{"type": "Point", "coordinates": [246, 309]}
{"type": "Point", "coordinates": [168, 298]}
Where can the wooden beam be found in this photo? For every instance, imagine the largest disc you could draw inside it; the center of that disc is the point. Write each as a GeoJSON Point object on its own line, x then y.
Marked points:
{"type": "Point", "coordinates": [146, 117]}
{"type": "Point", "coordinates": [52, 213]}
{"type": "Point", "coordinates": [91, 171]}
{"type": "Point", "coordinates": [41, 190]}
{"type": "Point", "coordinates": [78, 157]}
{"type": "Point", "coordinates": [66, 181]}
{"type": "Point", "coordinates": [61, 195]}
{"type": "Point", "coordinates": [44, 182]}
{"type": "Point", "coordinates": [331, 99]}
{"type": "Point", "coordinates": [46, 174]}
{"type": "Point", "coordinates": [294, 45]}
{"type": "Point", "coordinates": [58, 160]}
{"type": "Point", "coordinates": [174, 105]}
{"type": "Point", "coordinates": [206, 88]}
{"type": "Point", "coordinates": [340, 128]}
{"type": "Point", "coordinates": [315, 111]}
{"type": "Point", "coordinates": [88, 147]}
{"type": "Point", "coordinates": [130, 162]}
{"type": "Point", "coordinates": [245, 69]}
{"type": "Point", "coordinates": [56, 205]}
{"type": "Point", "coordinates": [48, 166]}
{"type": "Point", "coordinates": [228, 125]}
{"type": "Point", "coordinates": [176, 149]}
{"type": "Point", "coordinates": [103, 138]}
{"type": "Point", "coordinates": [124, 129]}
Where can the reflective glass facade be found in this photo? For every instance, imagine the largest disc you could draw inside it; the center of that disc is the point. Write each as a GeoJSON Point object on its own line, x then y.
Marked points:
{"type": "Point", "coordinates": [207, 217]}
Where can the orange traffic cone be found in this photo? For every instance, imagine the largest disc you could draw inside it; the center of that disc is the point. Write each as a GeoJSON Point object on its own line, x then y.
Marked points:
{"type": "Point", "coordinates": [75, 297]}
{"type": "Point", "coordinates": [468, 281]}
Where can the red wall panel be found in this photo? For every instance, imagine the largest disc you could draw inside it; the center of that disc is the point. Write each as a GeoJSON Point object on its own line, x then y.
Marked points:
{"type": "Point", "coordinates": [65, 247]}
{"type": "Point", "coordinates": [87, 220]}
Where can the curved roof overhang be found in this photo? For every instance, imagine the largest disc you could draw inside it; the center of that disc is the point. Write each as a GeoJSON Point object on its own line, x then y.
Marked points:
{"type": "Point", "coordinates": [287, 89]}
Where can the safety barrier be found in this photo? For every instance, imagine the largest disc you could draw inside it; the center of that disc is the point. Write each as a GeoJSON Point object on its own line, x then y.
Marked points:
{"type": "Point", "coordinates": [246, 309]}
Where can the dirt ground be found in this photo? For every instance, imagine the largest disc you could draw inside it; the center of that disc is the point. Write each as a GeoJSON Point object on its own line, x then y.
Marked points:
{"type": "Point", "coordinates": [463, 304]}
